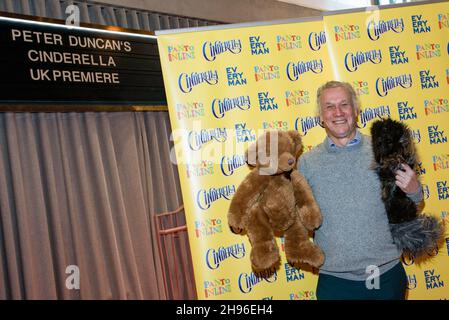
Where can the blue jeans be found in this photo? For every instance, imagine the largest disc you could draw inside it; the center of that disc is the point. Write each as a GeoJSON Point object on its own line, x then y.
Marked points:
{"type": "Point", "coordinates": [392, 286]}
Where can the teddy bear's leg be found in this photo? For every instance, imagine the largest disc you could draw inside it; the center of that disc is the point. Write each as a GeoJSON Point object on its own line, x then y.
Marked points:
{"type": "Point", "coordinates": [299, 249]}
{"type": "Point", "coordinates": [264, 252]}
{"type": "Point", "coordinates": [307, 207]}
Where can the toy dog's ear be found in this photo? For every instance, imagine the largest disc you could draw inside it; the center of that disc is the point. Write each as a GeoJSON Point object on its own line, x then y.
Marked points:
{"type": "Point", "coordinates": [297, 141]}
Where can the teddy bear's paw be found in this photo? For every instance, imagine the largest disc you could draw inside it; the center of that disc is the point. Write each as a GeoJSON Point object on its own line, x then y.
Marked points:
{"type": "Point", "coordinates": [264, 256]}
{"type": "Point", "coordinates": [266, 273]}
{"type": "Point", "coordinates": [307, 252]}
{"type": "Point", "coordinates": [310, 217]}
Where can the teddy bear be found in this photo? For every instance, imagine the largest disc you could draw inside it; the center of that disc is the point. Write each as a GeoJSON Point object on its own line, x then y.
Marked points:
{"type": "Point", "coordinates": [274, 200]}
{"type": "Point", "coordinates": [393, 145]}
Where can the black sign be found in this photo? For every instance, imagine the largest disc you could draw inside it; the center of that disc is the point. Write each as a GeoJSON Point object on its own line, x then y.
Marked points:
{"type": "Point", "coordinates": [57, 63]}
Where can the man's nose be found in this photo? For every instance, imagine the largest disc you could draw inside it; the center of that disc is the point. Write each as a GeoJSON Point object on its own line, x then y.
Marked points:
{"type": "Point", "coordinates": [338, 111]}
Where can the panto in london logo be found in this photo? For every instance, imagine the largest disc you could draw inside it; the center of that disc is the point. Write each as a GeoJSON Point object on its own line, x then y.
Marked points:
{"type": "Point", "coordinates": [316, 40]}
{"type": "Point", "coordinates": [214, 257]}
{"type": "Point", "coordinates": [447, 75]}
{"type": "Point", "coordinates": [369, 114]}
{"type": "Point", "coordinates": [228, 165]}
{"type": "Point", "coordinates": [207, 227]}
{"type": "Point", "coordinates": [296, 69]}
{"type": "Point", "coordinates": [436, 135]}
{"type": "Point", "coordinates": [419, 24]}
{"type": "Point", "coordinates": [433, 279]}
{"type": "Point", "coordinates": [235, 78]}
{"type": "Point", "coordinates": [293, 274]}
{"type": "Point", "coordinates": [406, 111]}
{"type": "Point", "coordinates": [361, 87]}
{"type": "Point", "coordinates": [266, 72]}
{"type": "Point", "coordinates": [297, 97]}
{"type": "Point", "coordinates": [384, 85]}
{"type": "Point", "coordinates": [436, 106]}
{"type": "Point", "coordinates": [217, 287]}
{"type": "Point", "coordinates": [354, 60]}
{"type": "Point", "coordinates": [189, 110]}
{"type": "Point", "coordinates": [304, 125]}
{"type": "Point", "coordinates": [244, 134]}
{"type": "Point", "coordinates": [203, 168]}
{"type": "Point", "coordinates": [428, 50]}
{"type": "Point", "coordinates": [288, 42]}
{"type": "Point", "coordinates": [258, 46]}
{"type": "Point", "coordinates": [275, 125]}
{"type": "Point", "coordinates": [375, 29]}
{"type": "Point", "coordinates": [212, 49]}
{"type": "Point", "coordinates": [443, 20]}
{"type": "Point", "coordinates": [346, 32]}
{"type": "Point", "coordinates": [220, 107]}
{"type": "Point", "coordinates": [197, 139]}
{"type": "Point", "coordinates": [186, 81]}
{"type": "Point", "coordinates": [205, 198]}
{"type": "Point", "coordinates": [416, 135]}
{"type": "Point", "coordinates": [442, 186]}
{"type": "Point", "coordinates": [181, 52]}
{"type": "Point", "coordinates": [428, 80]}
{"type": "Point", "coordinates": [266, 102]}
{"type": "Point", "coordinates": [397, 56]}
{"type": "Point", "coordinates": [440, 162]}
{"type": "Point", "coordinates": [248, 281]}
{"type": "Point", "coordinates": [302, 295]}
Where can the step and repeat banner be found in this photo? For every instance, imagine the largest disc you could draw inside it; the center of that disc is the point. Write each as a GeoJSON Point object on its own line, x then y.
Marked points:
{"type": "Point", "coordinates": [226, 86]}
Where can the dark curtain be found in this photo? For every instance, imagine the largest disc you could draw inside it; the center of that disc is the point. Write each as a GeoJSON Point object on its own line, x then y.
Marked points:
{"type": "Point", "coordinates": [81, 189]}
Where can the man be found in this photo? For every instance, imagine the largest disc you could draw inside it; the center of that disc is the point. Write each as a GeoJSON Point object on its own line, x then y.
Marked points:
{"type": "Point", "coordinates": [355, 235]}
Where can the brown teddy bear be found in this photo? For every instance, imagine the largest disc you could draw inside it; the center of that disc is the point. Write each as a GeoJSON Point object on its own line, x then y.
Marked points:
{"type": "Point", "coordinates": [273, 200]}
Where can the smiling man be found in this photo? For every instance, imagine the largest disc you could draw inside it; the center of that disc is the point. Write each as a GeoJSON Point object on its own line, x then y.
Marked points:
{"type": "Point", "coordinates": [362, 262]}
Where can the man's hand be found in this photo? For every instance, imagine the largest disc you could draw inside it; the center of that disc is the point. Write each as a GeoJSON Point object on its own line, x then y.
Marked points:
{"type": "Point", "coordinates": [407, 180]}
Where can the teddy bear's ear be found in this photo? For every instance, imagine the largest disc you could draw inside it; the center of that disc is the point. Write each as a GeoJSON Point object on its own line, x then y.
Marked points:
{"type": "Point", "coordinates": [251, 154]}
{"type": "Point", "coordinates": [297, 140]}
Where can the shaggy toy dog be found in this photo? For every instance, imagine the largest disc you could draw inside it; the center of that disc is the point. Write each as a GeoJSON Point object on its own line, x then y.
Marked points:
{"type": "Point", "coordinates": [392, 146]}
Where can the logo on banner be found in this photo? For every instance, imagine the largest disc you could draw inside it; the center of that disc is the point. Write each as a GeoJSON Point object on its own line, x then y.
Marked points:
{"type": "Point", "coordinates": [436, 136]}
{"type": "Point", "coordinates": [369, 114]}
{"type": "Point", "coordinates": [190, 110]}
{"type": "Point", "coordinates": [376, 29]}
{"type": "Point", "coordinates": [198, 139]}
{"type": "Point", "coordinates": [442, 187]}
{"type": "Point", "coordinates": [443, 20]}
{"type": "Point", "coordinates": [447, 245]}
{"type": "Point", "coordinates": [384, 85]}
{"type": "Point", "coordinates": [186, 81]}
{"type": "Point", "coordinates": [360, 87]}
{"type": "Point", "coordinates": [235, 78]}
{"type": "Point", "coordinates": [214, 257]}
{"type": "Point", "coordinates": [258, 46]}
{"type": "Point", "coordinates": [275, 125]}
{"type": "Point", "coordinates": [181, 52]}
{"type": "Point", "coordinates": [427, 80]}
{"type": "Point", "coordinates": [306, 124]}
{"type": "Point", "coordinates": [248, 281]}
{"type": "Point", "coordinates": [425, 191]}
{"type": "Point", "coordinates": [447, 75]}
{"type": "Point", "coordinates": [267, 72]}
{"type": "Point", "coordinates": [353, 60]}
{"type": "Point", "coordinates": [198, 170]}
{"type": "Point", "coordinates": [292, 274]}
{"type": "Point", "coordinates": [266, 102]}
{"type": "Point", "coordinates": [411, 282]}
{"type": "Point", "coordinates": [216, 287]}
{"type": "Point", "coordinates": [297, 97]}
{"type": "Point", "coordinates": [294, 70]}
{"type": "Point", "coordinates": [207, 227]}
{"type": "Point", "coordinates": [406, 111]}
{"type": "Point", "coordinates": [420, 170]}
{"type": "Point", "coordinates": [316, 40]}
{"type": "Point", "coordinates": [303, 295]}
{"type": "Point", "coordinates": [228, 165]}
{"type": "Point", "coordinates": [242, 134]}
{"type": "Point", "coordinates": [419, 24]}
{"type": "Point", "coordinates": [346, 32]}
{"type": "Point", "coordinates": [436, 106]}
{"type": "Point", "coordinates": [212, 49]}
{"type": "Point", "coordinates": [397, 56]}
{"type": "Point", "coordinates": [440, 162]}
{"type": "Point", "coordinates": [433, 279]}
{"type": "Point", "coordinates": [204, 198]}
{"type": "Point", "coordinates": [288, 42]}
{"type": "Point", "coordinates": [416, 135]}
{"type": "Point", "coordinates": [428, 51]}
{"type": "Point", "coordinates": [221, 106]}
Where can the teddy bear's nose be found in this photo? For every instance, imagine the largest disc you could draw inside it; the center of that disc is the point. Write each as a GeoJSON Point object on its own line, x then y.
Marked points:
{"type": "Point", "coordinates": [290, 162]}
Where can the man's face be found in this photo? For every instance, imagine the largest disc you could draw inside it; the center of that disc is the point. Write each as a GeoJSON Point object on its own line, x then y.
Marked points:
{"type": "Point", "coordinates": [337, 113]}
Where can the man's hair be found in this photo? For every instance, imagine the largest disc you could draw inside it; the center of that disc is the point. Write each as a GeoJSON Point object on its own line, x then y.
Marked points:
{"type": "Point", "coordinates": [338, 84]}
